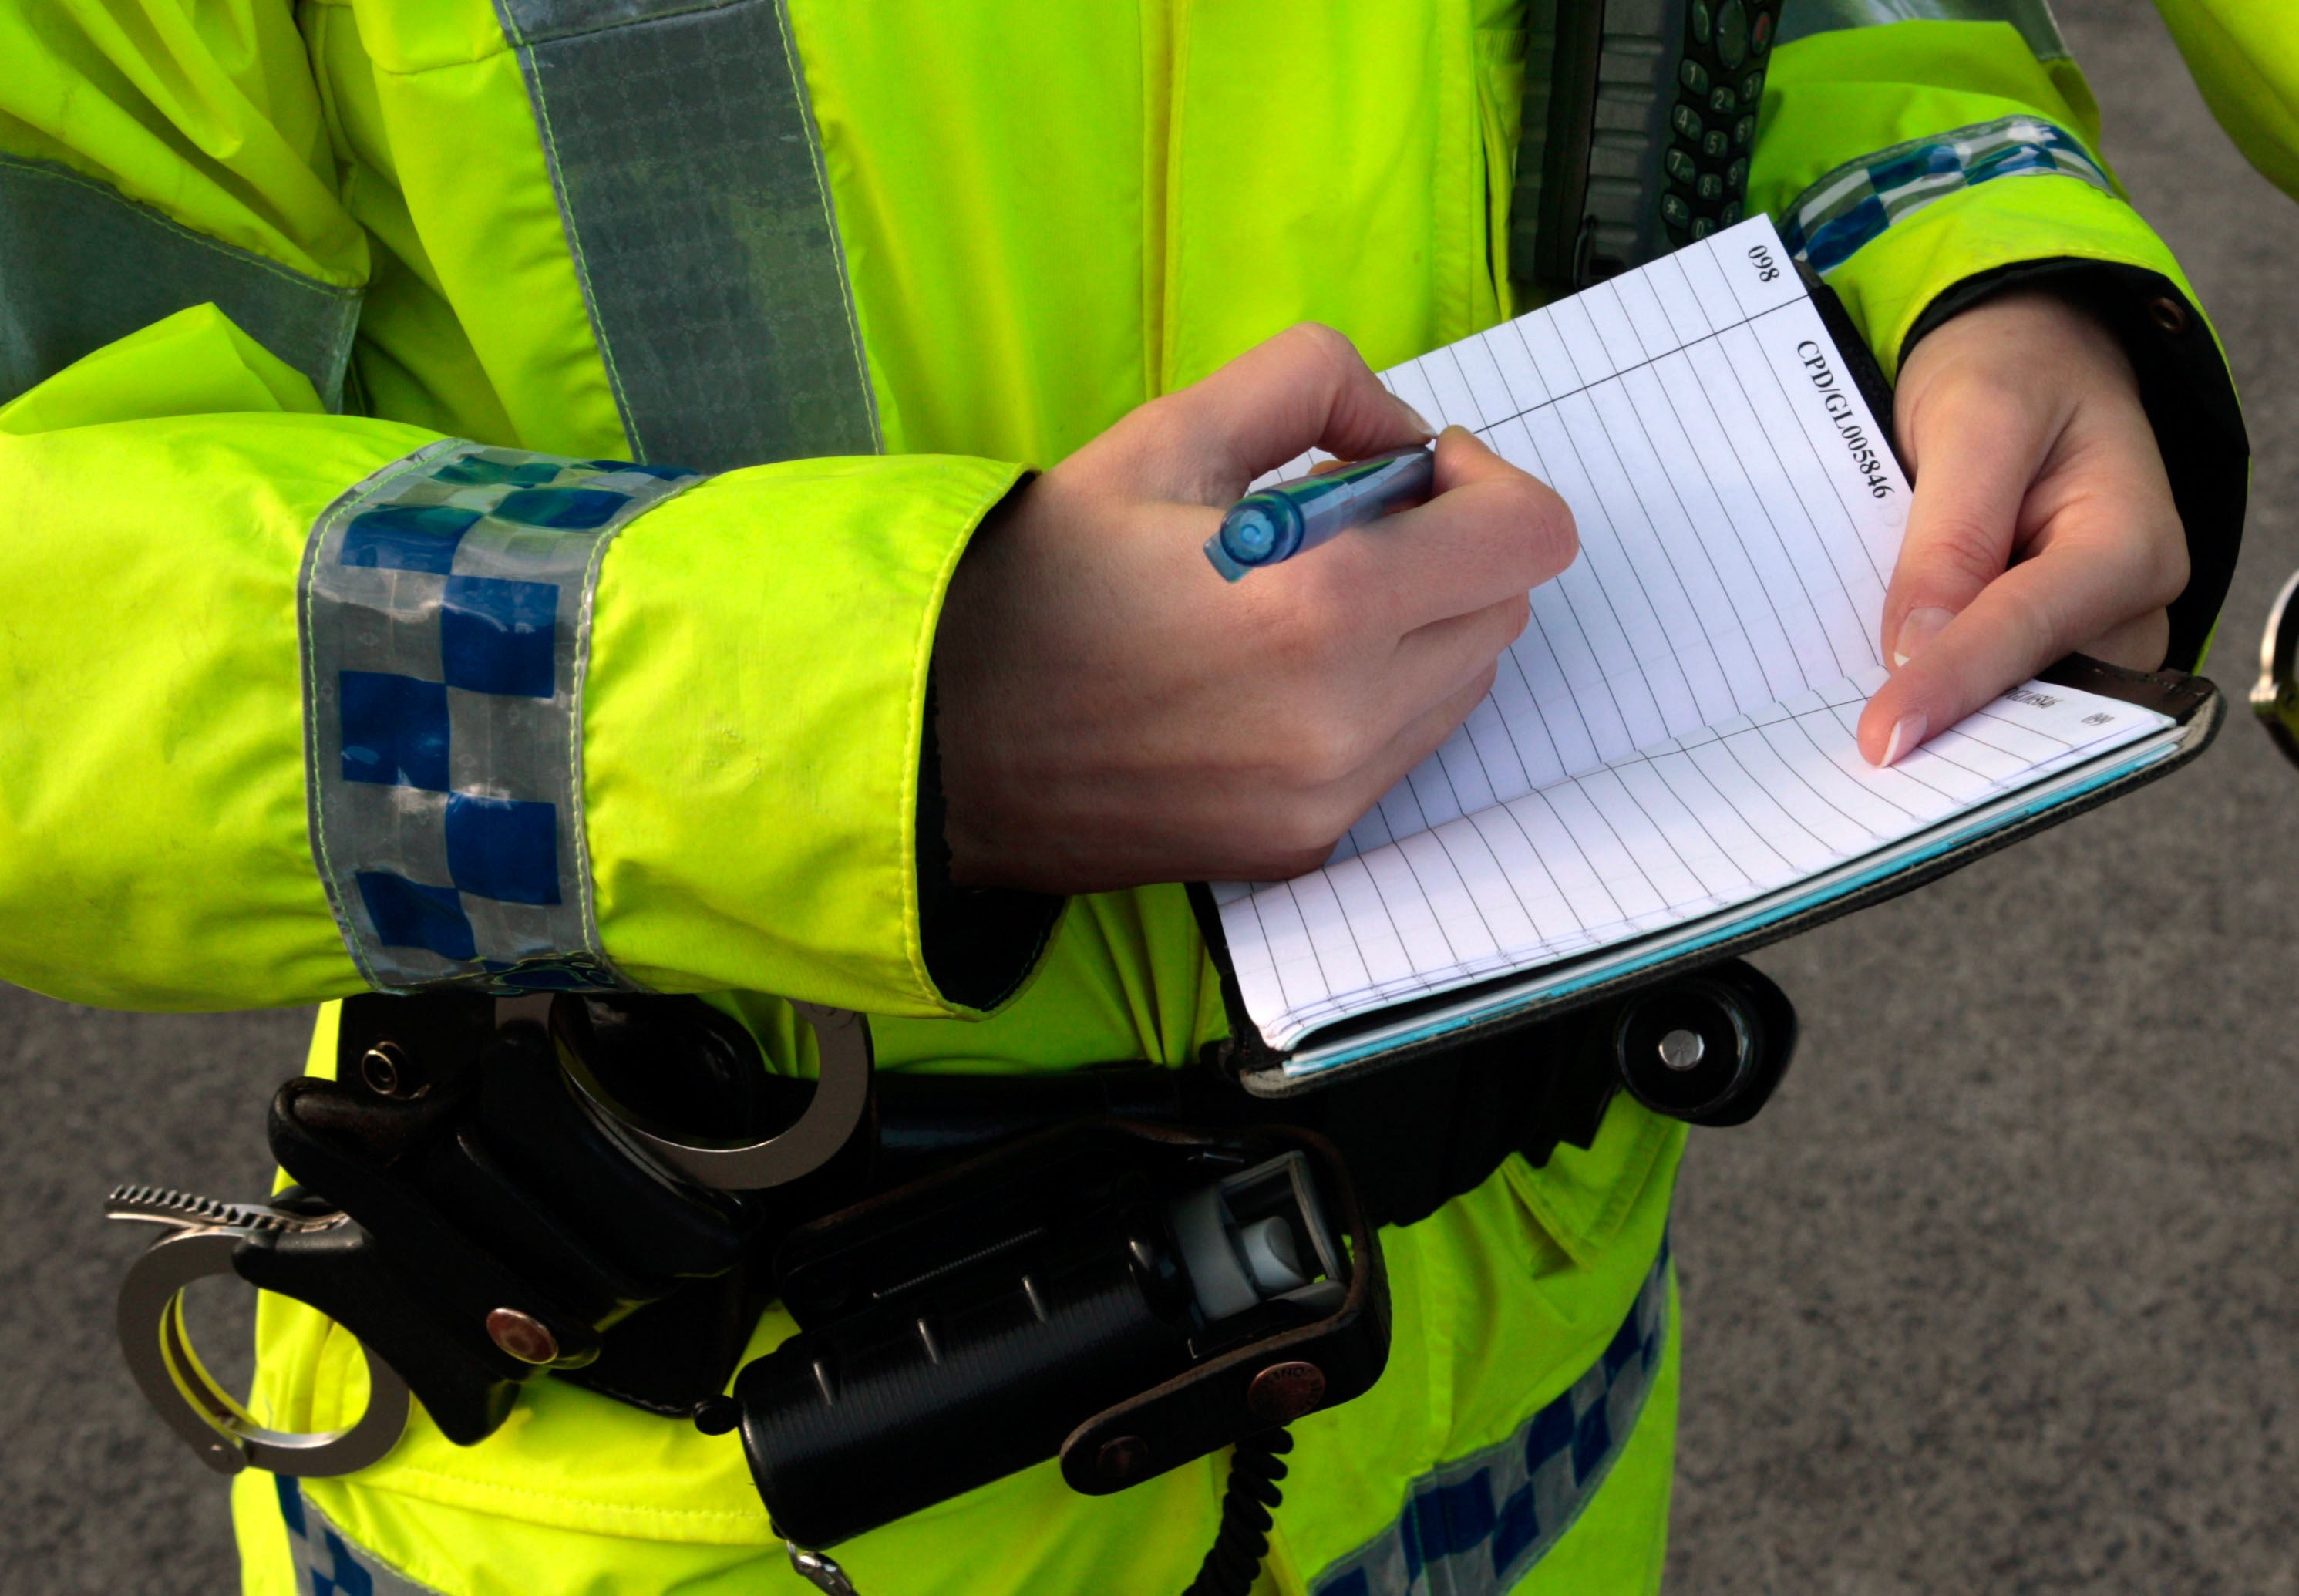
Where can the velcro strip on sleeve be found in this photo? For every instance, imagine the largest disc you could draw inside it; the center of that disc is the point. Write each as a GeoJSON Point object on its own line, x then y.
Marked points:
{"type": "Point", "coordinates": [445, 618]}
{"type": "Point", "coordinates": [81, 265]}
{"type": "Point", "coordinates": [689, 173]}
{"type": "Point", "coordinates": [1860, 201]}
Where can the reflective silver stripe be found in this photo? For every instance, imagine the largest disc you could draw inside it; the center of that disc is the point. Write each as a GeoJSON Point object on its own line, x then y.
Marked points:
{"type": "Point", "coordinates": [328, 1565]}
{"type": "Point", "coordinates": [690, 178]}
{"type": "Point", "coordinates": [81, 265]}
{"type": "Point", "coordinates": [445, 610]}
{"type": "Point", "coordinates": [1477, 1525]}
{"type": "Point", "coordinates": [1862, 199]}
{"type": "Point", "coordinates": [1801, 19]}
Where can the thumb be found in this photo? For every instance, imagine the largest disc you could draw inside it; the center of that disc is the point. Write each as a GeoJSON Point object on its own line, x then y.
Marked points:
{"type": "Point", "coordinates": [1985, 447]}
{"type": "Point", "coordinates": [1306, 388]}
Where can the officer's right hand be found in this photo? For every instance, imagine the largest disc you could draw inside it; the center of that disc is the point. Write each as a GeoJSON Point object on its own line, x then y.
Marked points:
{"type": "Point", "coordinates": [1112, 713]}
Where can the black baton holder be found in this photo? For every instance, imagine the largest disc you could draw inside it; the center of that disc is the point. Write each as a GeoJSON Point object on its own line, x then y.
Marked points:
{"type": "Point", "coordinates": [1082, 1293]}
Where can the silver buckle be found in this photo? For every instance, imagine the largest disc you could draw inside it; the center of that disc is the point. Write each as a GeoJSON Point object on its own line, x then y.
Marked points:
{"type": "Point", "coordinates": [202, 1235]}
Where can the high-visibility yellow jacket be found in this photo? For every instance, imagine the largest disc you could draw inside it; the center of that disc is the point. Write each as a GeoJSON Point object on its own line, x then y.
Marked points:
{"type": "Point", "coordinates": [2244, 54]}
{"type": "Point", "coordinates": [253, 260]}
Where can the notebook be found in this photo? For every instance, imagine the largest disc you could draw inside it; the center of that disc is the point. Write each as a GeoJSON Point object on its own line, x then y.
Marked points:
{"type": "Point", "coordinates": [1665, 768]}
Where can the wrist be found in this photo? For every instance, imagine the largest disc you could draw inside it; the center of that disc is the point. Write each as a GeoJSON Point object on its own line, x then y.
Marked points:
{"type": "Point", "coordinates": [2029, 335]}
{"type": "Point", "coordinates": [963, 705]}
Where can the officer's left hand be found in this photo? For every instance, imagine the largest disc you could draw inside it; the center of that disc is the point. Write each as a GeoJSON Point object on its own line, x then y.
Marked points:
{"type": "Point", "coordinates": [2042, 524]}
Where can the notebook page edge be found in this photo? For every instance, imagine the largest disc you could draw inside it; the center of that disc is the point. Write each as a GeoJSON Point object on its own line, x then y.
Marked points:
{"type": "Point", "coordinates": [2051, 790]}
{"type": "Point", "coordinates": [1284, 1026]}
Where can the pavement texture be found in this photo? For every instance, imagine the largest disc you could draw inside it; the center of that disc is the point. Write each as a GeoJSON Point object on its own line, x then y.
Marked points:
{"type": "Point", "coordinates": [2000, 1294]}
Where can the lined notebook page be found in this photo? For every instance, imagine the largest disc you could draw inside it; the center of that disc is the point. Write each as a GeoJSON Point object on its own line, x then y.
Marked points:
{"type": "Point", "coordinates": [1673, 732]}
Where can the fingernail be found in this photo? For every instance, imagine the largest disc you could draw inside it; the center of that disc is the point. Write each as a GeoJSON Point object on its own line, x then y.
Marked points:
{"type": "Point", "coordinates": [1417, 418]}
{"type": "Point", "coordinates": [1907, 731]}
{"type": "Point", "coordinates": [1920, 627]}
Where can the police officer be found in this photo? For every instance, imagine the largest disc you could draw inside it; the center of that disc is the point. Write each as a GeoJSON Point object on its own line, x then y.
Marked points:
{"type": "Point", "coordinates": [306, 696]}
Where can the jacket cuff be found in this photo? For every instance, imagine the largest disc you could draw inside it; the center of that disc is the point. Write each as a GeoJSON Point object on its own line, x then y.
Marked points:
{"type": "Point", "coordinates": [753, 736]}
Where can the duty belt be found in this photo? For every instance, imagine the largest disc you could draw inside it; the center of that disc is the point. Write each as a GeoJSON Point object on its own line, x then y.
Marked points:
{"type": "Point", "coordinates": [1128, 1267]}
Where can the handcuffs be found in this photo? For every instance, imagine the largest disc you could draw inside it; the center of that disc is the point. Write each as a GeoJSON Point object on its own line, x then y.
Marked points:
{"type": "Point", "coordinates": [205, 1237]}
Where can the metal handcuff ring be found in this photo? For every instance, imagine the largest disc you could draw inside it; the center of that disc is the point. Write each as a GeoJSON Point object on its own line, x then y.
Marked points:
{"type": "Point", "coordinates": [205, 1233]}
{"type": "Point", "coordinates": [203, 1236]}
{"type": "Point", "coordinates": [841, 1097]}
{"type": "Point", "coordinates": [2275, 698]}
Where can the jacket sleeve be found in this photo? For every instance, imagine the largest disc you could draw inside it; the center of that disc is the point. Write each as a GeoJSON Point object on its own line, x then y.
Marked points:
{"type": "Point", "coordinates": [2245, 59]}
{"type": "Point", "coordinates": [1920, 166]}
{"type": "Point", "coordinates": [299, 702]}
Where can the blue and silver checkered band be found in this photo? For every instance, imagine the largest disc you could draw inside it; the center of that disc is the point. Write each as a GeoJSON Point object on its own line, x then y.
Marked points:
{"type": "Point", "coordinates": [1475, 1526]}
{"type": "Point", "coordinates": [328, 1565]}
{"type": "Point", "coordinates": [1861, 200]}
{"type": "Point", "coordinates": [445, 610]}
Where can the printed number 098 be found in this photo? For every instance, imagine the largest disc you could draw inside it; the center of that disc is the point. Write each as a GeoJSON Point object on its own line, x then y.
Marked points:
{"type": "Point", "coordinates": [1765, 269]}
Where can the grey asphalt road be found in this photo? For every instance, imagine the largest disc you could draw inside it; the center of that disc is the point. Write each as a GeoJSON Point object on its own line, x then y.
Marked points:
{"type": "Point", "coordinates": [2002, 1294]}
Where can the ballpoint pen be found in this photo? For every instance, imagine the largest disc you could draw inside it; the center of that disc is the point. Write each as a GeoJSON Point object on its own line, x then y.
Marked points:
{"type": "Point", "coordinates": [1286, 518]}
